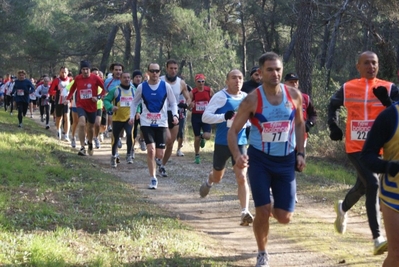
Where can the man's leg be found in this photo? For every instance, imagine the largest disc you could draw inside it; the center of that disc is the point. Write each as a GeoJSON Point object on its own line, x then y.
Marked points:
{"type": "Point", "coordinates": [169, 144]}
{"type": "Point", "coordinates": [391, 222]}
{"type": "Point", "coordinates": [66, 124]}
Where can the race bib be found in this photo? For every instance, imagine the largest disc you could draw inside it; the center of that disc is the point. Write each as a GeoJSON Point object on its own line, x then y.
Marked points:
{"type": "Point", "coordinates": [201, 105]}
{"type": "Point", "coordinates": [360, 129]}
{"type": "Point", "coordinates": [86, 94]}
{"type": "Point", "coordinates": [275, 131]}
{"type": "Point", "coordinates": [125, 101]}
{"type": "Point", "coordinates": [153, 118]}
{"type": "Point", "coordinates": [20, 92]}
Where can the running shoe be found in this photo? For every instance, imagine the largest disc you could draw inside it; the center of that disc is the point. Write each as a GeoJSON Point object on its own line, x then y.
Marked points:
{"type": "Point", "coordinates": [113, 162]}
{"type": "Point", "coordinates": [340, 221]}
{"type": "Point", "coordinates": [246, 218]}
{"type": "Point", "coordinates": [41, 119]}
{"type": "Point", "coordinates": [47, 126]}
{"type": "Point", "coordinates": [97, 142]}
{"type": "Point", "coordinates": [143, 145]}
{"type": "Point", "coordinates": [162, 171]}
{"type": "Point", "coordinates": [153, 184]}
{"type": "Point", "coordinates": [20, 125]}
{"type": "Point", "coordinates": [90, 150]}
{"type": "Point", "coordinates": [129, 159]}
{"type": "Point", "coordinates": [118, 159]}
{"type": "Point", "coordinates": [197, 159]}
{"type": "Point", "coordinates": [158, 162]}
{"type": "Point", "coordinates": [380, 245]}
{"type": "Point", "coordinates": [204, 189]}
{"type": "Point", "coordinates": [119, 143]}
{"type": "Point", "coordinates": [73, 142]}
{"type": "Point", "coordinates": [179, 153]}
{"type": "Point", "coordinates": [109, 129]}
{"type": "Point", "coordinates": [202, 142]}
{"type": "Point", "coordinates": [82, 151]}
{"type": "Point", "coordinates": [101, 137]}
{"type": "Point", "coordinates": [66, 138]}
{"type": "Point", "coordinates": [262, 260]}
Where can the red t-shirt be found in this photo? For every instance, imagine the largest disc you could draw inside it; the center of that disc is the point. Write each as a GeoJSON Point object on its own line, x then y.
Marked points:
{"type": "Point", "coordinates": [86, 88]}
{"type": "Point", "coordinates": [201, 99]}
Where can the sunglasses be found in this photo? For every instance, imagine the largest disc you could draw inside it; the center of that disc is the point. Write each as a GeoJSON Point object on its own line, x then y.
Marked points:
{"type": "Point", "coordinates": [154, 71]}
{"type": "Point", "coordinates": [200, 81]}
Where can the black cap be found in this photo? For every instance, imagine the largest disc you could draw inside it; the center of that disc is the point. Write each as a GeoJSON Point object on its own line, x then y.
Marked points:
{"type": "Point", "coordinates": [291, 77]}
{"type": "Point", "coordinates": [136, 72]}
{"type": "Point", "coordinates": [254, 69]}
{"type": "Point", "coordinates": [84, 64]}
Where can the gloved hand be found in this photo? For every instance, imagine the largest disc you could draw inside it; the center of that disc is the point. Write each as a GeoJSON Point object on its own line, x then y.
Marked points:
{"type": "Point", "coordinates": [308, 125]}
{"type": "Point", "coordinates": [336, 133]}
{"type": "Point", "coordinates": [393, 168]}
{"type": "Point", "coordinates": [228, 115]}
{"type": "Point", "coordinates": [182, 105]}
{"type": "Point", "coordinates": [382, 94]}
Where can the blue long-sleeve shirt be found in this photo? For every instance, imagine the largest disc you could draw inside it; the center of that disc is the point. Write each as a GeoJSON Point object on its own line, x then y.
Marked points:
{"type": "Point", "coordinates": [22, 89]}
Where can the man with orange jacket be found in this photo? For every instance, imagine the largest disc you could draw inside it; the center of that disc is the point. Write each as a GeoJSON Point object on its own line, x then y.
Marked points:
{"type": "Point", "coordinates": [358, 96]}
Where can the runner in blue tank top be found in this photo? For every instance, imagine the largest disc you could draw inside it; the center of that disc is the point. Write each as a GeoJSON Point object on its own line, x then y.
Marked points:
{"type": "Point", "coordinates": [275, 111]}
{"type": "Point", "coordinates": [221, 111]}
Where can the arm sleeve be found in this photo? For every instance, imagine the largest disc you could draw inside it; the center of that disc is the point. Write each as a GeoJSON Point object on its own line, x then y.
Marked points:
{"type": "Point", "coordinates": [311, 112]}
{"type": "Point", "coordinates": [394, 93]}
{"type": "Point", "coordinates": [336, 101]}
{"type": "Point", "coordinates": [71, 91]}
{"type": "Point", "coordinates": [108, 99]}
{"type": "Point", "coordinates": [171, 100]}
{"type": "Point", "coordinates": [209, 116]}
{"type": "Point", "coordinates": [136, 101]}
{"type": "Point", "coordinates": [381, 132]}
{"type": "Point", "coordinates": [54, 84]}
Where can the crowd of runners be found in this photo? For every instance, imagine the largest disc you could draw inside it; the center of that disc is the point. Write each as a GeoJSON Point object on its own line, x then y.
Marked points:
{"type": "Point", "coordinates": [260, 124]}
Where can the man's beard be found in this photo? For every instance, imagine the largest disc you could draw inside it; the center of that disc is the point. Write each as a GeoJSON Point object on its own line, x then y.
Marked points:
{"type": "Point", "coordinates": [171, 79]}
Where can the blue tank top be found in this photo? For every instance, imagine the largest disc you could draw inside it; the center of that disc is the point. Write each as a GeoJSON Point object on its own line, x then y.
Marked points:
{"type": "Point", "coordinates": [154, 99]}
{"type": "Point", "coordinates": [221, 128]}
{"type": "Point", "coordinates": [273, 127]}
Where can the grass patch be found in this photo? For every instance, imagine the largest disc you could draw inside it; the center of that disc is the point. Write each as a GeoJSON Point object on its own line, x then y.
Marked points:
{"type": "Point", "coordinates": [57, 209]}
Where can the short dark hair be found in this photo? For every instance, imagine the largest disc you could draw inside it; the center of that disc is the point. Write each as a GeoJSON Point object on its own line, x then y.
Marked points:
{"type": "Point", "coordinates": [111, 68]}
{"type": "Point", "coordinates": [268, 56]}
{"type": "Point", "coordinates": [94, 69]}
{"type": "Point", "coordinates": [170, 61]}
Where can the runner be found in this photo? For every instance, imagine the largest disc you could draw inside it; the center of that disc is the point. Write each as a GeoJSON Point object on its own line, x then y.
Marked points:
{"type": "Point", "coordinates": [9, 98]}
{"type": "Point", "coordinates": [157, 96]}
{"type": "Point", "coordinates": [362, 109]}
{"type": "Point", "coordinates": [111, 82]}
{"type": "Point", "coordinates": [44, 96]}
{"type": "Point", "coordinates": [178, 87]}
{"type": "Point", "coordinates": [220, 111]}
{"type": "Point", "coordinates": [277, 127]}
{"type": "Point", "coordinates": [86, 87]}
{"type": "Point", "coordinates": [137, 78]}
{"type": "Point", "coordinates": [385, 134]}
{"type": "Point", "coordinates": [100, 124]}
{"type": "Point", "coordinates": [23, 87]}
{"type": "Point", "coordinates": [118, 100]}
{"type": "Point", "coordinates": [59, 90]}
{"type": "Point", "coordinates": [200, 97]}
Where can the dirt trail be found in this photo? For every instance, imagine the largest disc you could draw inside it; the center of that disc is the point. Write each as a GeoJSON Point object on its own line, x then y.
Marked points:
{"type": "Point", "coordinates": [218, 214]}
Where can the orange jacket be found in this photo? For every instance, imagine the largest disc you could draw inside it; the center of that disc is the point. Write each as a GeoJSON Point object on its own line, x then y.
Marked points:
{"type": "Point", "coordinates": [363, 107]}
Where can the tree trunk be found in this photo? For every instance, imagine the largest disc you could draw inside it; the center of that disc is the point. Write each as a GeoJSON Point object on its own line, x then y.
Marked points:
{"type": "Point", "coordinates": [108, 48]}
{"type": "Point", "coordinates": [137, 30]}
{"type": "Point", "coordinates": [127, 34]}
{"type": "Point", "coordinates": [324, 45]}
{"type": "Point", "coordinates": [243, 42]}
{"type": "Point", "coordinates": [290, 48]}
{"type": "Point", "coordinates": [303, 45]}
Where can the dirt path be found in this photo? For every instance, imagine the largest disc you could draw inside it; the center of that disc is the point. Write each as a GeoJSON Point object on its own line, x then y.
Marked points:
{"type": "Point", "coordinates": [218, 215]}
